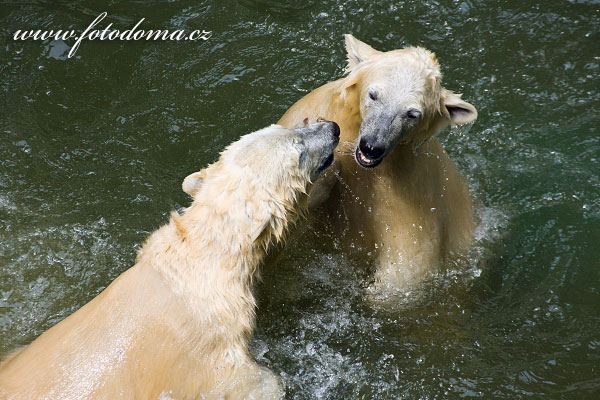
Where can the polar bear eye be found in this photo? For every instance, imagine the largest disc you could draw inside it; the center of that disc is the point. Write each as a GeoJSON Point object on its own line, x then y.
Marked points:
{"type": "Point", "coordinates": [373, 94]}
{"type": "Point", "coordinates": [413, 114]}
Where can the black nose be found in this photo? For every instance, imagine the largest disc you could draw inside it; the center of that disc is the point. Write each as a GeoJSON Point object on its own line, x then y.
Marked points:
{"type": "Point", "coordinates": [336, 129]}
{"type": "Point", "coordinates": [370, 150]}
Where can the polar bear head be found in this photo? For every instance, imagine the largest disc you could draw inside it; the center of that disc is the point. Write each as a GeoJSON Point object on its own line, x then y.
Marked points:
{"type": "Point", "coordinates": [275, 155]}
{"type": "Point", "coordinates": [259, 178]}
{"type": "Point", "coordinates": [400, 97]}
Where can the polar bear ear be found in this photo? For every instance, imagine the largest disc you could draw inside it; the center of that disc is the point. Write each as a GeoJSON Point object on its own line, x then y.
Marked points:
{"type": "Point", "coordinates": [193, 182]}
{"type": "Point", "coordinates": [458, 111]}
{"type": "Point", "coordinates": [358, 51]}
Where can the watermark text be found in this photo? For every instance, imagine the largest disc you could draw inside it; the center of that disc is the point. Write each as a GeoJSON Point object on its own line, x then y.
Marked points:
{"type": "Point", "coordinates": [108, 33]}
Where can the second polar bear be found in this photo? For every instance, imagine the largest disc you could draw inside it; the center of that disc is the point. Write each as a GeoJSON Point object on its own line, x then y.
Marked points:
{"type": "Point", "coordinates": [177, 323]}
{"type": "Point", "coordinates": [397, 190]}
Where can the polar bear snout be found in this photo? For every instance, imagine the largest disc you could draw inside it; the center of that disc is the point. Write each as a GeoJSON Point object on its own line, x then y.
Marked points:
{"type": "Point", "coordinates": [322, 126]}
{"type": "Point", "coordinates": [370, 149]}
{"type": "Point", "coordinates": [320, 139]}
{"type": "Point", "coordinates": [336, 128]}
{"type": "Point", "coordinates": [369, 153]}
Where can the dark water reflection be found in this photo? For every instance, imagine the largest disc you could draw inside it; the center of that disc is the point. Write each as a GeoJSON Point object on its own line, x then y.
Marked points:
{"type": "Point", "coordinates": [93, 150]}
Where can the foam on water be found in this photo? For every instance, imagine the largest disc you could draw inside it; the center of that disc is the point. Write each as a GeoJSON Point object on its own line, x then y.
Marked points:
{"type": "Point", "coordinates": [316, 324]}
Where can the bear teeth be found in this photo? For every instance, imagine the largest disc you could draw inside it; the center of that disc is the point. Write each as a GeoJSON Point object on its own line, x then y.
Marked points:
{"type": "Point", "coordinates": [364, 159]}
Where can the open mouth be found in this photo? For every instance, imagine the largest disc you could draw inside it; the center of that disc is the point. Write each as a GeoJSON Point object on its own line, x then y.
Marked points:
{"type": "Point", "coordinates": [327, 163]}
{"type": "Point", "coordinates": [365, 161]}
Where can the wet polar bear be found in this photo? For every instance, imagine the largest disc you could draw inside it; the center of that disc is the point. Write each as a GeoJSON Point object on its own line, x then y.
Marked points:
{"type": "Point", "coordinates": [397, 190]}
{"type": "Point", "coordinates": [177, 324]}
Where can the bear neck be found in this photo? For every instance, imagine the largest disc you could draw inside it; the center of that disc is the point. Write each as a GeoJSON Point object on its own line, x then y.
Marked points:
{"type": "Point", "coordinates": [229, 236]}
{"type": "Point", "coordinates": [210, 255]}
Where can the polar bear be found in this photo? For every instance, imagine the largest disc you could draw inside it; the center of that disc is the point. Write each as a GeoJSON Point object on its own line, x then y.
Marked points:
{"type": "Point", "coordinates": [397, 190]}
{"type": "Point", "coordinates": [177, 323]}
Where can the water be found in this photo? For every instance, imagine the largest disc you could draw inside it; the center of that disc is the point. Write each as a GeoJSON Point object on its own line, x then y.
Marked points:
{"type": "Point", "coordinates": [93, 150]}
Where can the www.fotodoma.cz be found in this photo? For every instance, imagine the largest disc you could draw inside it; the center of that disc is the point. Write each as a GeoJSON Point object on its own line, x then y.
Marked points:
{"type": "Point", "coordinates": [92, 33]}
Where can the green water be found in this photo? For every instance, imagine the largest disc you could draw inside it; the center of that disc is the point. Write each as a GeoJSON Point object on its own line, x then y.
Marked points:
{"type": "Point", "coordinates": [93, 150]}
